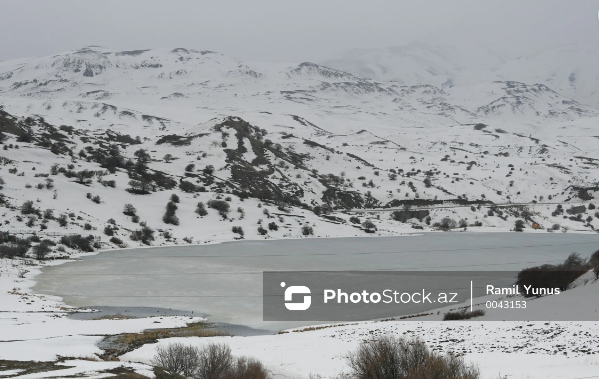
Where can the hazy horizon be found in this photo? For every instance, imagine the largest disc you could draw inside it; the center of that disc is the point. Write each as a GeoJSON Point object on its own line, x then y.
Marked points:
{"type": "Point", "coordinates": [273, 31]}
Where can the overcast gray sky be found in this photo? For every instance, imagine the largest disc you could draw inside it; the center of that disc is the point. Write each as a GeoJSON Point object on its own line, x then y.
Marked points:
{"type": "Point", "coordinates": [289, 31]}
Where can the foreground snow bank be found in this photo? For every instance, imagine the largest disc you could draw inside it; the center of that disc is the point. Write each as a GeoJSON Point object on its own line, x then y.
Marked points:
{"type": "Point", "coordinates": [500, 348]}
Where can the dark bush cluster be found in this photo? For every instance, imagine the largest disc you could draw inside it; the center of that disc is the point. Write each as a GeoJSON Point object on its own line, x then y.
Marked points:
{"type": "Point", "coordinates": [62, 220]}
{"type": "Point", "coordinates": [108, 183]}
{"type": "Point", "coordinates": [169, 215]}
{"type": "Point", "coordinates": [536, 281]}
{"type": "Point", "coordinates": [117, 241]}
{"type": "Point", "coordinates": [238, 230]}
{"type": "Point", "coordinates": [129, 210]}
{"type": "Point", "coordinates": [140, 187]}
{"type": "Point", "coordinates": [145, 234]}
{"type": "Point", "coordinates": [42, 249]}
{"type": "Point", "coordinates": [464, 314]}
{"type": "Point", "coordinates": [594, 263]}
{"type": "Point", "coordinates": [221, 206]}
{"type": "Point", "coordinates": [189, 187]}
{"type": "Point", "coordinates": [446, 224]}
{"type": "Point", "coordinates": [28, 208]}
{"type": "Point", "coordinates": [78, 242]}
{"type": "Point", "coordinates": [369, 226]}
{"type": "Point", "coordinates": [307, 230]}
{"type": "Point", "coordinates": [355, 220]}
{"type": "Point", "coordinates": [201, 209]}
{"type": "Point", "coordinates": [16, 248]}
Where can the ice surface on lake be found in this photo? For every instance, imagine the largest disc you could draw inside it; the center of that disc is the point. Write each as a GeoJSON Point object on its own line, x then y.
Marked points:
{"type": "Point", "coordinates": [225, 281]}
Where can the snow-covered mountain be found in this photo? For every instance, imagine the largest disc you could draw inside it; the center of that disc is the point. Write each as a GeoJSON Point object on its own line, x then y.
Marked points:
{"type": "Point", "coordinates": [569, 70]}
{"type": "Point", "coordinates": [414, 63]}
{"type": "Point", "coordinates": [303, 137]}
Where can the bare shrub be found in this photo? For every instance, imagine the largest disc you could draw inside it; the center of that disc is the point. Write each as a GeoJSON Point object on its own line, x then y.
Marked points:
{"type": "Point", "coordinates": [62, 220]}
{"type": "Point", "coordinates": [31, 221]}
{"type": "Point", "coordinates": [212, 361]}
{"type": "Point", "coordinates": [49, 214]}
{"type": "Point", "coordinates": [369, 226]}
{"type": "Point", "coordinates": [399, 358]}
{"type": "Point", "coordinates": [177, 358]}
{"type": "Point", "coordinates": [307, 230]}
{"type": "Point", "coordinates": [215, 361]}
{"type": "Point", "coordinates": [28, 208]}
{"type": "Point", "coordinates": [129, 210]}
{"type": "Point", "coordinates": [247, 368]}
{"type": "Point", "coordinates": [42, 249]}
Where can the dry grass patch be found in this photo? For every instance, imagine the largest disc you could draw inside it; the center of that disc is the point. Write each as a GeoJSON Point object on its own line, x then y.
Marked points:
{"type": "Point", "coordinates": [29, 367]}
{"type": "Point", "coordinates": [120, 344]}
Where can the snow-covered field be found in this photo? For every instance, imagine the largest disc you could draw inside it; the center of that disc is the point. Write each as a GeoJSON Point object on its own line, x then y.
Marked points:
{"type": "Point", "coordinates": [35, 327]}
{"type": "Point", "coordinates": [295, 151]}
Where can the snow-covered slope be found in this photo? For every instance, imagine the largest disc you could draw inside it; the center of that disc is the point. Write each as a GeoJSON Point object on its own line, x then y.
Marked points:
{"type": "Point", "coordinates": [414, 63]}
{"type": "Point", "coordinates": [305, 136]}
{"type": "Point", "coordinates": [570, 70]}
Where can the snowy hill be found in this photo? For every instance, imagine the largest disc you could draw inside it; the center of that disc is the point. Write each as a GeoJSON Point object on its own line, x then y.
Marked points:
{"type": "Point", "coordinates": [413, 63]}
{"type": "Point", "coordinates": [305, 138]}
{"type": "Point", "coordinates": [569, 70]}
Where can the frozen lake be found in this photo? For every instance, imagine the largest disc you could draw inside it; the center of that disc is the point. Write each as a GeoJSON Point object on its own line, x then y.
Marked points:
{"type": "Point", "coordinates": [224, 281]}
